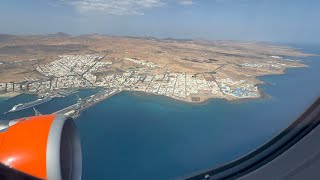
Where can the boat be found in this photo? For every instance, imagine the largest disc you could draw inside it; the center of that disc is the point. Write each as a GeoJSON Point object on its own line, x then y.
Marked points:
{"type": "Point", "coordinates": [23, 106]}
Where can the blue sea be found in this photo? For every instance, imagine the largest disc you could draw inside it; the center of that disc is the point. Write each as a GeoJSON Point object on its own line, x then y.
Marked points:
{"type": "Point", "coordinates": [134, 136]}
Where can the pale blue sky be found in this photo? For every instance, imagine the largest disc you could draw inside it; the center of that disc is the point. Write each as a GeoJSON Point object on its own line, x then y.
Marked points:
{"type": "Point", "coordinates": [259, 20]}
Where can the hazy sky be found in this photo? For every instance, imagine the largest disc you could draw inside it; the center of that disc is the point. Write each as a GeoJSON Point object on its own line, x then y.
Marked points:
{"type": "Point", "coordinates": [261, 20]}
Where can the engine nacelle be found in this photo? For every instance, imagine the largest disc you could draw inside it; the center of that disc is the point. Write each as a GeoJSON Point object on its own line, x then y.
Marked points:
{"type": "Point", "coordinates": [43, 147]}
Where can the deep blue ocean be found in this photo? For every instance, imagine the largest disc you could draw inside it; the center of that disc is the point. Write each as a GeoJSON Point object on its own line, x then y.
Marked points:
{"type": "Point", "coordinates": [137, 137]}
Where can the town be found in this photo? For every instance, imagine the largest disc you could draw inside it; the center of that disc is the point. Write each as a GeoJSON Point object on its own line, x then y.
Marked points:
{"type": "Point", "coordinates": [78, 71]}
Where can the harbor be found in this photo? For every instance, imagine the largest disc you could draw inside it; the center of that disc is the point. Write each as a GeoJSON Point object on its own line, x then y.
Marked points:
{"type": "Point", "coordinates": [74, 110]}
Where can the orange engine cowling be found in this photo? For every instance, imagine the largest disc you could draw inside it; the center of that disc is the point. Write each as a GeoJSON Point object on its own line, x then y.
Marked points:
{"type": "Point", "coordinates": [43, 147]}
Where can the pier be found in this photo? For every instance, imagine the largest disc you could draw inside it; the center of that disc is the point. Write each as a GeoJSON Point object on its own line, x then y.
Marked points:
{"type": "Point", "coordinates": [75, 110]}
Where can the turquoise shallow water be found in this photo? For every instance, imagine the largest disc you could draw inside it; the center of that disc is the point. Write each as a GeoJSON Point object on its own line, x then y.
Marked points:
{"type": "Point", "coordinates": [131, 136]}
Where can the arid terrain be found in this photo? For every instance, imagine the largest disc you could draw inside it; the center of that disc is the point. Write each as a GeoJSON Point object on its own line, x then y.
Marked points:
{"type": "Point", "coordinates": [190, 70]}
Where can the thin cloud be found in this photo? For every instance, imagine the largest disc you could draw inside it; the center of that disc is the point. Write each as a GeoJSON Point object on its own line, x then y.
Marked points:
{"type": "Point", "coordinates": [185, 2]}
{"type": "Point", "coordinates": [116, 7]}
{"type": "Point", "coordinates": [113, 7]}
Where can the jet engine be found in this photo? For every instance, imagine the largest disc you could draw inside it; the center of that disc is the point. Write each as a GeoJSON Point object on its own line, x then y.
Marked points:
{"type": "Point", "coordinates": [40, 147]}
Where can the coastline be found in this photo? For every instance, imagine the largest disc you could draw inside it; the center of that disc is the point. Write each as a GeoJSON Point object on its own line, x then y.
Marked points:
{"type": "Point", "coordinates": [262, 95]}
{"type": "Point", "coordinates": [204, 99]}
{"type": "Point", "coordinates": [201, 102]}
{"type": "Point", "coordinates": [228, 98]}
